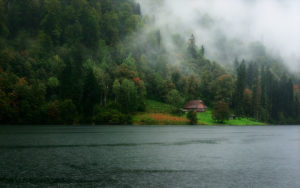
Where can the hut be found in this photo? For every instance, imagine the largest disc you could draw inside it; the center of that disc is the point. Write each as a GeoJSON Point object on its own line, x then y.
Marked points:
{"type": "Point", "coordinates": [196, 105]}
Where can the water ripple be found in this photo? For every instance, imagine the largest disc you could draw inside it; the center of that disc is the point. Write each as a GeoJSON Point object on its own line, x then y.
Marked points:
{"type": "Point", "coordinates": [188, 142]}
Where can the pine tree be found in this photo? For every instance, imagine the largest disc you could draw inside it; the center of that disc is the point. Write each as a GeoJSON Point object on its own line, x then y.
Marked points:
{"type": "Point", "coordinates": [240, 88]}
{"type": "Point", "coordinates": [192, 48]}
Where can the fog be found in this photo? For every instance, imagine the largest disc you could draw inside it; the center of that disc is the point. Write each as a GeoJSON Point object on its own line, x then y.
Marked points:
{"type": "Point", "coordinates": [231, 29]}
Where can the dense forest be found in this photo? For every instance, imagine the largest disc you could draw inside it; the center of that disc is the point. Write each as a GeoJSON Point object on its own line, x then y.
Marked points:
{"type": "Point", "coordinates": [91, 61]}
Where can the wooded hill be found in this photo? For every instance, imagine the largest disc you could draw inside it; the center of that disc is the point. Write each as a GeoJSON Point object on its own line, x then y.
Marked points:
{"type": "Point", "coordinates": [89, 61]}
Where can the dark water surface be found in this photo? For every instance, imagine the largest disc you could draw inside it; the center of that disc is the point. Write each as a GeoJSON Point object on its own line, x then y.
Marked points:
{"type": "Point", "coordinates": [150, 156]}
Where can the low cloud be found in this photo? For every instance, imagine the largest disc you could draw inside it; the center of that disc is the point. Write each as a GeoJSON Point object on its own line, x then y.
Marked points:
{"type": "Point", "coordinates": [231, 29]}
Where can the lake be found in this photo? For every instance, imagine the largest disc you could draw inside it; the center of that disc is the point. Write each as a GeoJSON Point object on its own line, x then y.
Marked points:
{"type": "Point", "coordinates": [150, 156]}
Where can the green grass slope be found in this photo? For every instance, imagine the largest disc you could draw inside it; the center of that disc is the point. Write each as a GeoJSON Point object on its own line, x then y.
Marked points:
{"type": "Point", "coordinates": [158, 107]}
{"type": "Point", "coordinates": [205, 118]}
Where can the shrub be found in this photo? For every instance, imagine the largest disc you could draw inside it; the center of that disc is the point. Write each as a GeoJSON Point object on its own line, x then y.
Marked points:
{"type": "Point", "coordinates": [68, 111]}
{"type": "Point", "coordinates": [221, 112]}
{"type": "Point", "coordinates": [111, 117]}
{"type": "Point", "coordinates": [148, 120]}
{"type": "Point", "coordinates": [192, 116]}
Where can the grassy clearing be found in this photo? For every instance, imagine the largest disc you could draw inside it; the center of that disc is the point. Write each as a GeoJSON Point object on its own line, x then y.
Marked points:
{"type": "Point", "coordinates": [158, 107]}
{"type": "Point", "coordinates": [205, 118]}
{"type": "Point", "coordinates": [158, 113]}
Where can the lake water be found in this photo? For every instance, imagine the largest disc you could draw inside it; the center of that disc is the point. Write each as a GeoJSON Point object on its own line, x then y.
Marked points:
{"type": "Point", "coordinates": [152, 156]}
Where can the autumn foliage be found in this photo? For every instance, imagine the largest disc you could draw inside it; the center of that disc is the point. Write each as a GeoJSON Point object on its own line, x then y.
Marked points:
{"type": "Point", "coordinates": [162, 119]}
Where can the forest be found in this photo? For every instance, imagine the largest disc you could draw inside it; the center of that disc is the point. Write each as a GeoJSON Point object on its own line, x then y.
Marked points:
{"type": "Point", "coordinates": [91, 62]}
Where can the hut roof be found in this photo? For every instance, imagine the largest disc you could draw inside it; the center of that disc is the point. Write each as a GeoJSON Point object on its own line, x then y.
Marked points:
{"type": "Point", "coordinates": [195, 104]}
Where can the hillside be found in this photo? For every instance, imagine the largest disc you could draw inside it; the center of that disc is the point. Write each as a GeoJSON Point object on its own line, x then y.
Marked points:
{"type": "Point", "coordinates": [91, 62]}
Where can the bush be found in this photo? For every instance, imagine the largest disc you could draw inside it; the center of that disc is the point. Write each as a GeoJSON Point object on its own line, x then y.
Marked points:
{"type": "Point", "coordinates": [148, 120]}
{"type": "Point", "coordinates": [192, 116]}
{"type": "Point", "coordinates": [58, 112]}
{"type": "Point", "coordinates": [178, 112]}
{"type": "Point", "coordinates": [52, 112]}
{"type": "Point", "coordinates": [111, 117]}
{"type": "Point", "coordinates": [221, 112]}
{"type": "Point", "coordinates": [68, 111]}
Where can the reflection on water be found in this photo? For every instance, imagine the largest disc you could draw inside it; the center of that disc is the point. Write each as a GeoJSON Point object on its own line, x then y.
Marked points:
{"type": "Point", "coordinates": [150, 156]}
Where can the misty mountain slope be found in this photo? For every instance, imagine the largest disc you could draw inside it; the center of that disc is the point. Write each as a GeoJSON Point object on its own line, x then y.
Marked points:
{"type": "Point", "coordinates": [229, 29]}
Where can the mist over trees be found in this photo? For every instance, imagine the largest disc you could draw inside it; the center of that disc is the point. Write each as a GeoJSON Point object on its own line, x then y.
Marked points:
{"type": "Point", "coordinates": [98, 61]}
{"type": "Point", "coordinates": [235, 29]}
